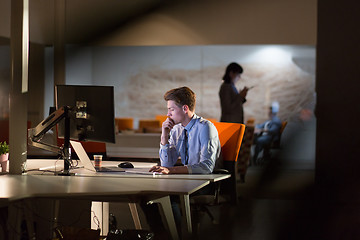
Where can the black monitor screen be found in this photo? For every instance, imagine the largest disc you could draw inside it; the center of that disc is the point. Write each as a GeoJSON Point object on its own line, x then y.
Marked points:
{"type": "Point", "coordinates": [91, 112]}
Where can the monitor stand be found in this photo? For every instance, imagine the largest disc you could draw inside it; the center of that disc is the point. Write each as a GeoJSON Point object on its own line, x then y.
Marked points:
{"type": "Point", "coordinates": [66, 152]}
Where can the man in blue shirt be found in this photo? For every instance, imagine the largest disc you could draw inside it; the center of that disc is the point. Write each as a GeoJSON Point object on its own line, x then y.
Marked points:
{"type": "Point", "coordinates": [192, 138]}
{"type": "Point", "coordinates": [267, 132]}
{"type": "Point", "coordinates": [186, 135]}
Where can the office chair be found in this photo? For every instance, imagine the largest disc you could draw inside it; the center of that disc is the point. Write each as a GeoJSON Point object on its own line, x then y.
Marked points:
{"type": "Point", "coordinates": [276, 143]}
{"type": "Point", "coordinates": [124, 124]}
{"type": "Point", "coordinates": [273, 145]}
{"type": "Point", "coordinates": [4, 129]}
{"type": "Point", "coordinates": [149, 126]}
{"type": "Point", "coordinates": [230, 135]}
{"type": "Point", "coordinates": [91, 148]}
{"type": "Point", "coordinates": [213, 120]}
{"type": "Point", "coordinates": [245, 150]}
{"type": "Point", "coordinates": [161, 118]}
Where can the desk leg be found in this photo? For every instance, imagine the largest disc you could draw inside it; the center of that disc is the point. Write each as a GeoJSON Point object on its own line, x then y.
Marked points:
{"type": "Point", "coordinates": [166, 209]}
{"type": "Point", "coordinates": [29, 219]}
{"type": "Point", "coordinates": [19, 211]}
{"type": "Point", "coordinates": [14, 220]}
{"type": "Point", "coordinates": [56, 215]}
{"type": "Point", "coordinates": [135, 215]}
{"type": "Point", "coordinates": [186, 214]}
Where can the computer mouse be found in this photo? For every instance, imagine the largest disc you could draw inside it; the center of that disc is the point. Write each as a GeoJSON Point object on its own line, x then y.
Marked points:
{"type": "Point", "coordinates": [126, 165]}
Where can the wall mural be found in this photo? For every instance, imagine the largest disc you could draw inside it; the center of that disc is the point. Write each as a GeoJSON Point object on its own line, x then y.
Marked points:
{"type": "Point", "coordinates": [289, 85]}
{"type": "Point", "coordinates": [141, 76]}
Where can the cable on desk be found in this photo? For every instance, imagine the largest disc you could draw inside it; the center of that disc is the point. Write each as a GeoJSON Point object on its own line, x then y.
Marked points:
{"type": "Point", "coordinates": [38, 170]}
{"type": "Point", "coordinates": [44, 170]}
{"type": "Point", "coordinates": [96, 220]}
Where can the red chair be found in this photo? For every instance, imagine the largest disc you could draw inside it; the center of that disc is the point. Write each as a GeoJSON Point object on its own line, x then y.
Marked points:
{"type": "Point", "coordinates": [4, 130]}
{"type": "Point", "coordinates": [91, 148]}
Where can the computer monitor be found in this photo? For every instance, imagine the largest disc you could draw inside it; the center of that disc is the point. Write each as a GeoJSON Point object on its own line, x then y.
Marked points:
{"type": "Point", "coordinates": [91, 112]}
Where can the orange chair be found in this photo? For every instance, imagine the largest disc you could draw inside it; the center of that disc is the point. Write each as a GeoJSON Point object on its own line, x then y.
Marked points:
{"type": "Point", "coordinates": [161, 118]}
{"type": "Point", "coordinates": [250, 121]}
{"type": "Point", "coordinates": [230, 135]}
{"type": "Point", "coordinates": [213, 120]}
{"type": "Point", "coordinates": [149, 125]}
{"type": "Point", "coordinates": [276, 143]}
{"type": "Point", "coordinates": [273, 145]}
{"type": "Point", "coordinates": [124, 124]}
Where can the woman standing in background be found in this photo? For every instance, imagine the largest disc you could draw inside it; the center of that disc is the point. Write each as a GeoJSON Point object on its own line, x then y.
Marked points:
{"type": "Point", "coordinates": [231, 99]}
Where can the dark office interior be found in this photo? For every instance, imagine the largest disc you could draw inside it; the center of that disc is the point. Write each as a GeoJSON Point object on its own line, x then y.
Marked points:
{"type": "Point", "coordinates": [279, 200]}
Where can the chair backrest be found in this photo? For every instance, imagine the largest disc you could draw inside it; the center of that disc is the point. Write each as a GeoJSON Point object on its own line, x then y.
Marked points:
{"type": "Point", "coordinates": [124, 123]}
{"type": "Point", "coordinates": [143, 123]}
{"type": "Point", "coordinates": [161, 118]}
{"type": "Point", "coordinates": [149, 125]}
{"type": "Point", "coordinates": [283, 125]}
{"type": "Point", "coordinates": [4, 130]}
{"type": "Point", "coordinates": [245, 149]}
{"type": "Point", "coordinates": [250, 121]}
{"type": "Point", "coordinates": [276, 143]}
{"type": "Point", "coordinates": [90, 147]}
{"type": "Point", "coordinates": [230, 135]}
{"type": "Point", "coordinates": [212, 120]}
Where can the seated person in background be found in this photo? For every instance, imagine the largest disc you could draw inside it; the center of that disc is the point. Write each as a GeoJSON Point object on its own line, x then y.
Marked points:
{"type": "Point", "coordinates": [267, 132]}
{"type": "Point", "coordinates": [187, 135]}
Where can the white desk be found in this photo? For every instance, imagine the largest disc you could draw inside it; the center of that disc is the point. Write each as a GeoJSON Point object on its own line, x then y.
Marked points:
{"type": "Point", "coordinates": [52, 165]}
{"type": "Point", "coordinates": [184, 198]}
{"type": "Point", "coordinates": [17, 187]}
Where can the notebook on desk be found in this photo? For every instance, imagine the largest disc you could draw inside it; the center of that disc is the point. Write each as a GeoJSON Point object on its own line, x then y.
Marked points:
{"type": "Point", "coordinates": [85, 160]}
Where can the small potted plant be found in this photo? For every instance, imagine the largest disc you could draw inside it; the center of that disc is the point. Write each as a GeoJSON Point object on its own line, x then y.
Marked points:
{"type": "Point", "coordinates": [4, 155]}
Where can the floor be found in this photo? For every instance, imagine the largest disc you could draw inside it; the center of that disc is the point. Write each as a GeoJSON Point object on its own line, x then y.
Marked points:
{"type": "Point", "coordinates": [271, 205]}
{"type": "Point", "coordinates": [280, 201]}
{"type": "Point", "coordinates": [277, 199]}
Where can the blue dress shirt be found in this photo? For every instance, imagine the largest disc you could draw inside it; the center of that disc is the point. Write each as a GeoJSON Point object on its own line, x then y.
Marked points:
{"type": "Point", "coordinates": [272, 127]}
{"type": "Point", "coordinates": [203, 146]}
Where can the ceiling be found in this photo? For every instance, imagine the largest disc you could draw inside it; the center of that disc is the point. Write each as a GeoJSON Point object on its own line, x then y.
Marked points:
{"type": "Point", "coordinates": [84, 19]}
{"type": "Point", "coordinates": [167, 22]}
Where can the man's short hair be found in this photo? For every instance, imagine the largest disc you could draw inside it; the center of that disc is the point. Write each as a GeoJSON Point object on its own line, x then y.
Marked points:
{"type": "Point", "coordinates": [182, 96]}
